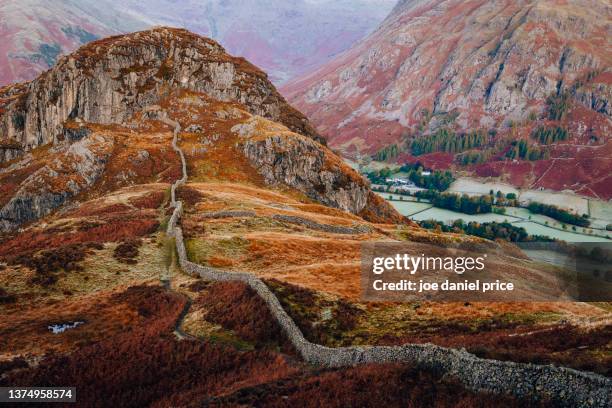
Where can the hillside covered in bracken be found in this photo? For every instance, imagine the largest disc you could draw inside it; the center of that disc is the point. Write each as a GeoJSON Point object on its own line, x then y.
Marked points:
{"type": "Point", "coordinates": [515, 90]}
{"type": "Point", "coordinates": [96, 154]}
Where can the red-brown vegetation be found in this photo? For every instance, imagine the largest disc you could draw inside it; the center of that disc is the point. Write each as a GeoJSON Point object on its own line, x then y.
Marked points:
{"type": "Point", "coordinates": [115, 228]}
{"type": "Point", "coordinates": [236, 307]}
{"type": "Point", "coordinates": [10, 181]}
{"type": "Point", "coordinates": [387, 385]}
{"type": "Point", "coordinates": [6, 297]}
{"type": "Point", "coordinates": [149, 201]}
{"type": "Point", "coordinates": [102, 210]}
{"type": "Point", "coordinates": [305, 309]}
{"type": "Point", "coordinates": [13, 364]}
{"type": "Point", "coordinates": [568, 346]}
{"type": "Point", "coordinates": [148, 366]}
{"type": "Point", "coordinates": [126, 251]}
{"type": "Point", "coordinates": [46, 263]}
{"type": "Point", "coordinates": [189, 196]}
{"type": "Point", "coordinates": [25, 330]}
{"type": "Point", "coordinates": [198, 286]}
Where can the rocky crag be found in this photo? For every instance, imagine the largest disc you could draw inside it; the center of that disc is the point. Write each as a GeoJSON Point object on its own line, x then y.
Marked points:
{"type": "Point", "coordinates": [60, 133]}
{"type": "Point", "coordinates": [503, 69]}
{"type": "Point", "coordinates": [107, 81]}
{"type": "Point", "coordinates": [245, 192]}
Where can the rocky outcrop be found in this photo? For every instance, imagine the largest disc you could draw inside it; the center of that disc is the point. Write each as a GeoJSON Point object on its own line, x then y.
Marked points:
{"type": "Point", "coordinates": [301, 164]}
{"type": "Point", "coordinates": [596, 96]}
{"type": "Point", "coordinates": [107, 81]}
{"type": "Point", "coordinates": [307, 166]}
{"type": "Point", "coordinates": [121, 87]}
{"type": "Point", "coordinates": [76, 167]}
{"type": "Point", "coordinates": [489, 62]}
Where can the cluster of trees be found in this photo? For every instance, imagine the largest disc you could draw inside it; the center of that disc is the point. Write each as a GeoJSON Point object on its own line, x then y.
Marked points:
{"type": "Point", "coordinates": [521, 150]}
{"type": "Point", "coordinates": [558, 105]}
{"type": "Point", "coordinates": [559, 214]}
{"type": "Point", "coordinates": [437, 180]}
{"type": "Point", "coordinates": [474, 157]}
{"type": "Point", "coordinates": [379, 176]}
{"type": "Point", "coordinates": [546, 135]}
{"type": "Point", "coordinates": [487, 230]}
{"type": "Point", "coordinates": [445, 140]}
{"type": "Point", "coordinates": [387, 153]}
{"type": "Point", "coordinates": [460, 203]}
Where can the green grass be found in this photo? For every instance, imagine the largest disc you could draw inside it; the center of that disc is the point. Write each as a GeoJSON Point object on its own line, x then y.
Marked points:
{"type": "Point", "coordinates": [200, 250]}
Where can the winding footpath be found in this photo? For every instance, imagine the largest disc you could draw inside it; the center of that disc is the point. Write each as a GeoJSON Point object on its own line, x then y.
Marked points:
{"type": "Point", "coordinates": [564, 386]}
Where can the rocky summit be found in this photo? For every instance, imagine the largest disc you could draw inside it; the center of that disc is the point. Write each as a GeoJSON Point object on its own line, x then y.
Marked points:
{"type": "Point", "coordinates": [486, 73]}
{"type": "Point", "coordinates": [60, 133]}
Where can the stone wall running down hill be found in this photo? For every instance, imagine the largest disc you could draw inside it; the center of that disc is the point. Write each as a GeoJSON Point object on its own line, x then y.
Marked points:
{"type": "Point", "coordinates": [564, 387]}
{"type": "Point", "coordinates": [107, 81]}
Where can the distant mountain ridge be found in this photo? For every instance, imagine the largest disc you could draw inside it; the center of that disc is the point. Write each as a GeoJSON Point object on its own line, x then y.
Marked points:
{"type": "Point", "coordinates": [506, 69]}
{"type": "Point", "coordinates": [35, 32]}
{"type": "Point", "coordinates": [285, 38]}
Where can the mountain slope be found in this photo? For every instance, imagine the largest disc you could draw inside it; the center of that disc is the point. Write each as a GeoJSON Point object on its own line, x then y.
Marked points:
{"type": "Point", "coordinates": [284, 38]}
{"type": "Point", "coordinates": [503, 69]}
{"type": "Point", "coordinates": [65, 131]}
{"type": "Point", "coordinates": [34, 32]}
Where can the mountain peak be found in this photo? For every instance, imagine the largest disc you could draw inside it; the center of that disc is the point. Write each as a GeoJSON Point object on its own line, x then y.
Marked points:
{"type": "Point", "coordinates": [97, 121]}
{"type": "Point", "coordinates": [107, 80]}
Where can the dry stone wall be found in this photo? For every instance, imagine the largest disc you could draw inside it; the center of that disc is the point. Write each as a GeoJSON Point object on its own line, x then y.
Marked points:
{"type": "Point", "coordinates": [564, 386]}
{"type": "Point", "coordinates": [334, 229]}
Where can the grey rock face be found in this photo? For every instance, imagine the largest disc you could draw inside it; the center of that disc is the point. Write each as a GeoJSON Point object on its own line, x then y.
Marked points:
{"type": "Point", "coordinates": [491, 64]}
{"type": "Point", "coordinates": [84, 159]}
{"type": "Point", "coordinates": [596, 97]}
{"type": "Point", "coordinates": [300, 163]}
{"type": "Point", "coordinates": [107, 81]}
